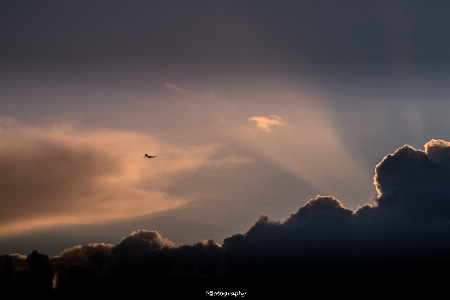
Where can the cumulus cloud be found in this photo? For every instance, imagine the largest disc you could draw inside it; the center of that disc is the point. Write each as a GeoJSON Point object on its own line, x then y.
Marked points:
{"type": "Point", "coordinates": [145, 238]}
{"type": "Point", "coordinates": [404, 234]}
{"type": "Point", "coordinates": [416, 182]}
{"type": "Point", "coordinates": [264, 123]}
{"type": "Point", "coordinates": [438, 151]}
{"type": "Point", "coordinates": [62, 174]}
{"type": "Point", "coordinates": [80, 254]}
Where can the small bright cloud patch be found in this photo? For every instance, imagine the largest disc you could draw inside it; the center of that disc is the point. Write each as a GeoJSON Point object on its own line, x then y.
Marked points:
{"type": "Point", "coordinates": [265, 123]}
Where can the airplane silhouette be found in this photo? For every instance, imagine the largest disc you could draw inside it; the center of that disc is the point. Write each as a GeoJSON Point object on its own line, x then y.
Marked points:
{"type": "Point", "coordinates": [148, 156]}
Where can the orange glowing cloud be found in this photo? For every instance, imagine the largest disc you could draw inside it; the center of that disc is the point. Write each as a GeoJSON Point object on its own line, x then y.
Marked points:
{"type": "Point", "coordinates": [264, 123]}
{"type": "Point", "coordinates": [66, 175]}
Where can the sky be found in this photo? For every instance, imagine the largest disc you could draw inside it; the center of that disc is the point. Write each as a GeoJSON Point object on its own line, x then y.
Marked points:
{"type": "Point", "coordinates": [251, 107]}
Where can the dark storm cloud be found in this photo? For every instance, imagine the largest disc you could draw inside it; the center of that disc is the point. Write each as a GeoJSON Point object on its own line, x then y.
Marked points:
{"type": "Point", "coordinates": [404, 234]}
{"type": "Point", "coordinates": [343, 33]}
{"type": "Point", "coordinates": [143, 260]}
{"type": "Point", "coordinates": [410, 218]}
{"type": "Point", "coordinates": [143, 239]}
{"type": "Point", "coordinates": [82, 254]}
{"type": "Point", "coordinates": [416, 182]}
{"type": "Point", "coordinates": [36, 276]}
{"type": "Point", "coordinates": [18, 259]}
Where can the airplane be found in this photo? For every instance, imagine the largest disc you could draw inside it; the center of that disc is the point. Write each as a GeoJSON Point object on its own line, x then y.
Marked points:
{"type": "Point", "coordinates": [148, 156]}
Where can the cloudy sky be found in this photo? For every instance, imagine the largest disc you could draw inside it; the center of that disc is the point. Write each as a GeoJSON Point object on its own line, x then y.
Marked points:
{"type": "Point", "coordinates": [252, 107]}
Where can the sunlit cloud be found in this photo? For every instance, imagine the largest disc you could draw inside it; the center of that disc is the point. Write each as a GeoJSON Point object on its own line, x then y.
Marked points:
{"type": "Point", "coordinates": [264, 123]}
{"type": "Point", "coordinates": [66, 175]}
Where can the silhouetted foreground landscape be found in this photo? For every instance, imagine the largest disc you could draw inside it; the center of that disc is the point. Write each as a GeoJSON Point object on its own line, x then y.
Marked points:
{"type": "Point", "coordinates": [401, 242]}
